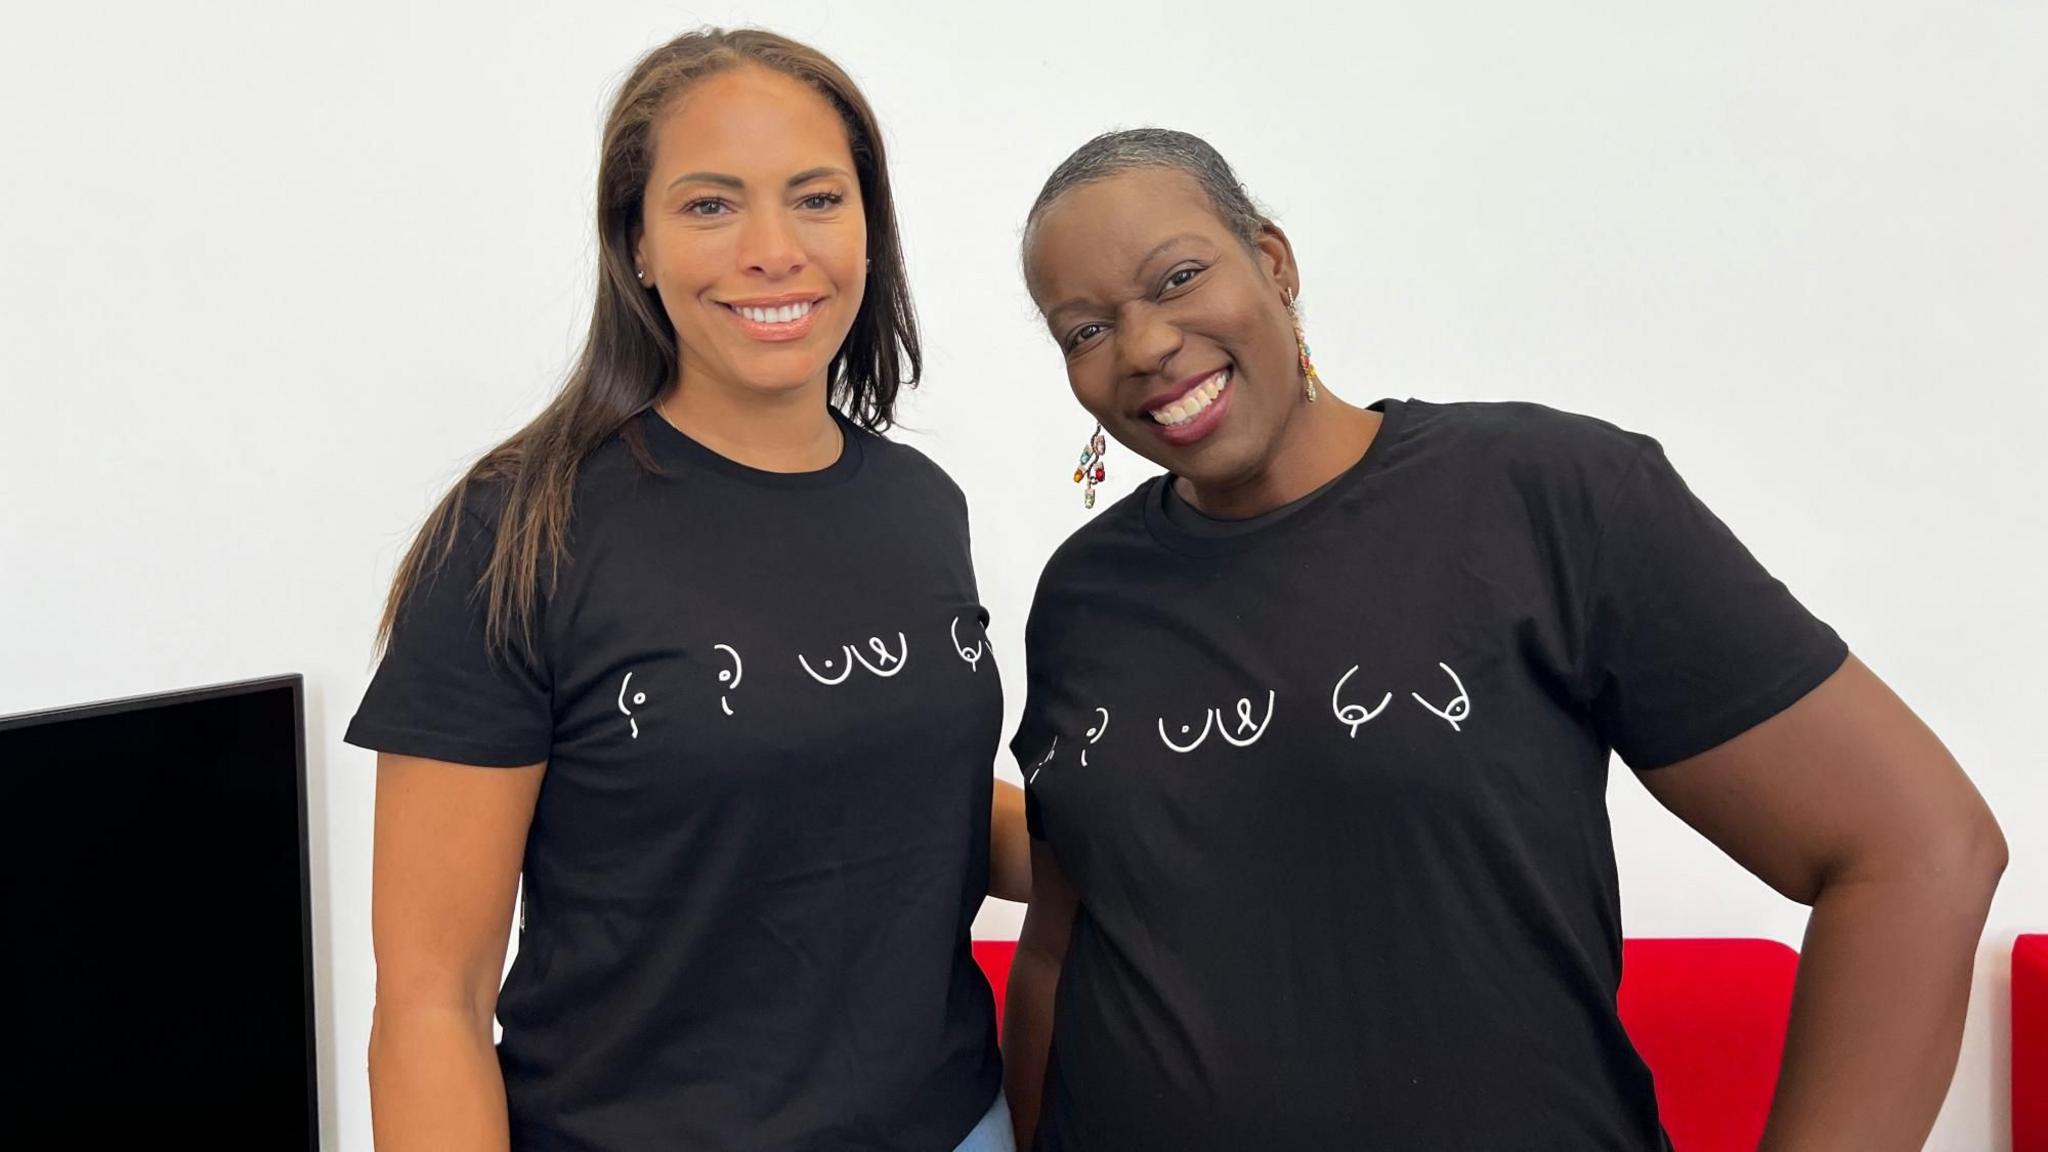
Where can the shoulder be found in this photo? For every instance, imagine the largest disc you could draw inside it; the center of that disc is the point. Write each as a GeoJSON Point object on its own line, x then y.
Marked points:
{"type": "Point", "coordinates": [1521, 433]}
{"type": "Point", "coordinates": [1532, 448]}
{"type": "Point", "coordinates": [908, 473]}
{"type": "Point", "coordinates": [1111, 541]}
{"type": "Point", "coordinates": [493, 499]}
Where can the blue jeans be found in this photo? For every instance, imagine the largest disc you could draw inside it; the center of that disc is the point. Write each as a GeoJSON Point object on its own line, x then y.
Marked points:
{"type": "Point", "coordinates": [993, 1133]}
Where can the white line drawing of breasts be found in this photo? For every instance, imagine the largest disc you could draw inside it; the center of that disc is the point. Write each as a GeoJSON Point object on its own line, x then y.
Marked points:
{"type": "Point", "coordinates": [971, 655]}
{"type": "Point", "coordinates": [1095, 735]}
{"type": "Point", "coordinates": [882, 653]}
{"type": "Point", "coordinates": [1040, 766]}
{"type": "Point", "coordinates": [730, 677]}
{"type": "Point", "coordinates": [844, 650]}
{"type": "Point", "coordinates": [1356, 715]}
{"type": "Point", "coordinates": [1244, 721]}
{"type": "Point", "coordinates": [1460, 707]}
{"type": "Point", "coordinates": [1208, 722]}
{"type": "Point", "coordinates": [638, 698]}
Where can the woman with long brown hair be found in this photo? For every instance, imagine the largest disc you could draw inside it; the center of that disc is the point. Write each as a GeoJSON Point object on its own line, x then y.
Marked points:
{"type": "Point", "coordinates": [697, 656]}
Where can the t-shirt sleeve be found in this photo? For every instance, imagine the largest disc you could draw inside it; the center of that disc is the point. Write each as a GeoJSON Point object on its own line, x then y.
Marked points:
{"type": "Point", "coordinates": [440, 692]}
{"type": "Point", "coordinates": [1035, 744]}
{"type": "Point", "coordinates": [1689, 641]}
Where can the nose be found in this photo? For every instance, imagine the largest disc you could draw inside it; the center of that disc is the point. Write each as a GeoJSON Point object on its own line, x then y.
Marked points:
{"type": "Point", "coordinates": [769, 245]}
{"type": "Point", "coordinates": [1145, 341]}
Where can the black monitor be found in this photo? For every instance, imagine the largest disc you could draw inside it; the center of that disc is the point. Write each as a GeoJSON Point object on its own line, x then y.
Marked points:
{"type": "Point", "coordinates": [158, 959]}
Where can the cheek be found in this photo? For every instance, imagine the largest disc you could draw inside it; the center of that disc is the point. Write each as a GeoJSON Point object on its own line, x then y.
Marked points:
{"type": "Point", "coordinates": [840, 248]}
{"type": "Point", "coordinates": [691, 259]}
{"type": "Point", "coordinates": [1269, 353]}
{"type": "Point", "coordinates": [1093, 389]}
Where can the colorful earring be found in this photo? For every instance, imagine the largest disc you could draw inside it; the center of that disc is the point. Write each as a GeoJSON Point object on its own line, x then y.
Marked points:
{"type": "Point", "coordinates": [1090, 469]}
{"type": "Point", "coordinates": [1308, 366]}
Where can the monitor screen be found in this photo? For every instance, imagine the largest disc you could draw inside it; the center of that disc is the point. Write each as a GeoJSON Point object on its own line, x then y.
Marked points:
{"type": "Point", "coordinates": [153, 892]}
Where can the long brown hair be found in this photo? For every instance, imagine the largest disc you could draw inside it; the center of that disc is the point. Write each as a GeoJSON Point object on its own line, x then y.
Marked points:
{"type": "Point", "coordinates": [630, 357]}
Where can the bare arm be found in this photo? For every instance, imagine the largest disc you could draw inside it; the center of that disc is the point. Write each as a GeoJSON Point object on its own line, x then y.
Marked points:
{"type": "Point", "coordinates": [1009, 846]}
{"type": "Point", "coordinates": [448, 844]}
{"type": "Point", "coordinates": [1848, 803]}
{"type": "Point", "coordinates": [1034, 978]}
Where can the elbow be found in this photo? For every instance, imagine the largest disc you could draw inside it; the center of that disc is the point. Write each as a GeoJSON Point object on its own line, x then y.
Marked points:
{"type": "Point", "coordinates": [1988, 852]}
{"type": "Point", "coordinates": [1969, 858]}
{"type": "Point", "coordinates": [1954, 862]}
{"type": "Point", "coordinates": [406, 1002]}
{"type": "Point", "coordinates": [1978, 848]}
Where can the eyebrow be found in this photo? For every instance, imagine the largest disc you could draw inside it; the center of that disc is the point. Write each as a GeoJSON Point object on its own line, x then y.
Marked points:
{"type": "Point", "coordinates": [1162, 246]}
{"type": "Point", "coordinates": [736, 184]}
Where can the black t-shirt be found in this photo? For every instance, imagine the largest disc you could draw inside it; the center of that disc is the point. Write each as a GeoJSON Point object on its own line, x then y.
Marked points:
{"type": "Point", "coordinates": [1195, 522]}
{"type": "Point", "coordinates": [770, 716]}
{"type": "Point", "coordinates": [1333, 792]}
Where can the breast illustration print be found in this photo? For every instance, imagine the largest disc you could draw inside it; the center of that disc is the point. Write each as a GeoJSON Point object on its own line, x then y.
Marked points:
{"type": "Point", "coordinates": [1460, 706]}
{"type": "Point", "coordinates": [1095, 734]}
{"type": "Point", "coordinates": [1208, 725]}
{"type": "Point", "coordinates": [1043, 761]}
{"type": "Point", "coordinates": [885, 664]}
{"type": "Point", "coordinates": [1243, 734]}
{"type": "Point", "coordinates": [971, 655]}
{"type": "Point", "coordinates": [1245, 724]}
{"type": "Point", "coordinates": [844, 664]}
{"type": "Point", "coordinates": [730, 677]}
{"type": "Point", "coordinates": [639, 698]}
{"type": "Point", "coordinates": [1355, 715]}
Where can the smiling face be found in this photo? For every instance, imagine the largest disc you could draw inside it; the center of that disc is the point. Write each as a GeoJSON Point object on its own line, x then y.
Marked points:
{"type": "Point", "coordinates": [1176, 333]}
{"type": "Point", "coordinates": [752, 232]}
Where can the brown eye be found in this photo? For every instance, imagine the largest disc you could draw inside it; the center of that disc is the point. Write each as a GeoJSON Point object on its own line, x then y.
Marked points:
{"type": "Point", "coordinates": [1180, 277]}
{"type": "Point", "coordinates": [1082, 335]}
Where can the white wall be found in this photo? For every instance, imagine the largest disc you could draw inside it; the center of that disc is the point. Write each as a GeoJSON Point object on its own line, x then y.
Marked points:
{"type": "Point", "coordinates": [269, 274]}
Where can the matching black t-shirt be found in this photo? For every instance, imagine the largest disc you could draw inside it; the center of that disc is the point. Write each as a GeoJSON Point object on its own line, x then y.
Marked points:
{"type": "Point", "coordinates": [1331, 787]}
{"type": "Point", "coordinates": [769, 714]}
{"type": "Point", "coordinates": [1330, 784]}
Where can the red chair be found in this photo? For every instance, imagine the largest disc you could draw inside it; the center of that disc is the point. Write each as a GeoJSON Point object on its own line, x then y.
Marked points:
{"type": "Point", "coordinates": [2030, 1044]}
{"type": "Point", "coordinates": [994, 956]}
{"type": "Point", "coordinates": [1708, 1017]}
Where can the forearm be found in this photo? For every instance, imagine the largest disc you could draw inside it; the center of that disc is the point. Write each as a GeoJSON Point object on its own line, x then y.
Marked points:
{"type": "Point", "coordinates": [434, 1082]}
{"type": "Point", "coordinates": [1009, 846]}
{"type": "Point", "coordinates": [1877, 1016]}
{"type": "Point", "coordinates": [1027, 1038]}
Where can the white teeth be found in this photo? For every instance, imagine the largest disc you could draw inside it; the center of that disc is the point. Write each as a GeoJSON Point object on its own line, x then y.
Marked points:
{"type": "Point", "coordinates": [1191, 405]}
{"type": "Point", "coordinates": [782, 315]}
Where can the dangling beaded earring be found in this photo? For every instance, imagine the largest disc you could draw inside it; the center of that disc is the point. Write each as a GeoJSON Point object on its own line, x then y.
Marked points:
{"type": "Point", "coordinates": [1090, 469]}
{"type": "Point", "coordinates": [1308, 366]}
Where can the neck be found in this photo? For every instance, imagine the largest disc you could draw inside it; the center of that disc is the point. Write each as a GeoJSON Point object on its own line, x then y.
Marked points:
{"type": "Point", "coordinates": [780, 432]}
{"type": "Point", "coordinates": [1319, 443]}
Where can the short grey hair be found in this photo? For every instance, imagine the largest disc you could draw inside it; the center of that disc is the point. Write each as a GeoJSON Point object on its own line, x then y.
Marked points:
{"type": "Point", "coordinates": [1114, 153]}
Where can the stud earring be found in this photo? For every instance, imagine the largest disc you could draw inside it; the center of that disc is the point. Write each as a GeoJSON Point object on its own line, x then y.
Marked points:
{"type": "Point", "coordinates": [641, 275]}
{"type": "Point", "coordinates": [1090, 471]}
{"type": "Point", "coordinates": [1308, 366]}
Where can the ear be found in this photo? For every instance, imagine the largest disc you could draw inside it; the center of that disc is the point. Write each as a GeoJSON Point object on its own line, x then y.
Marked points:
{"type": "Point", "coordinates": [1275, 256]}
{"type": "Point", "coordinates": [636, 242]}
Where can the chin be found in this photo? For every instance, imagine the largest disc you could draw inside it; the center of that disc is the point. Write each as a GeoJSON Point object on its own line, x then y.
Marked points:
{"type": "Point", "coordinates": [1220, 467]}
{"type": "Point", "coordinates": [781, 379]}
{"type": "Point", "coordinates": [779, 385]}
